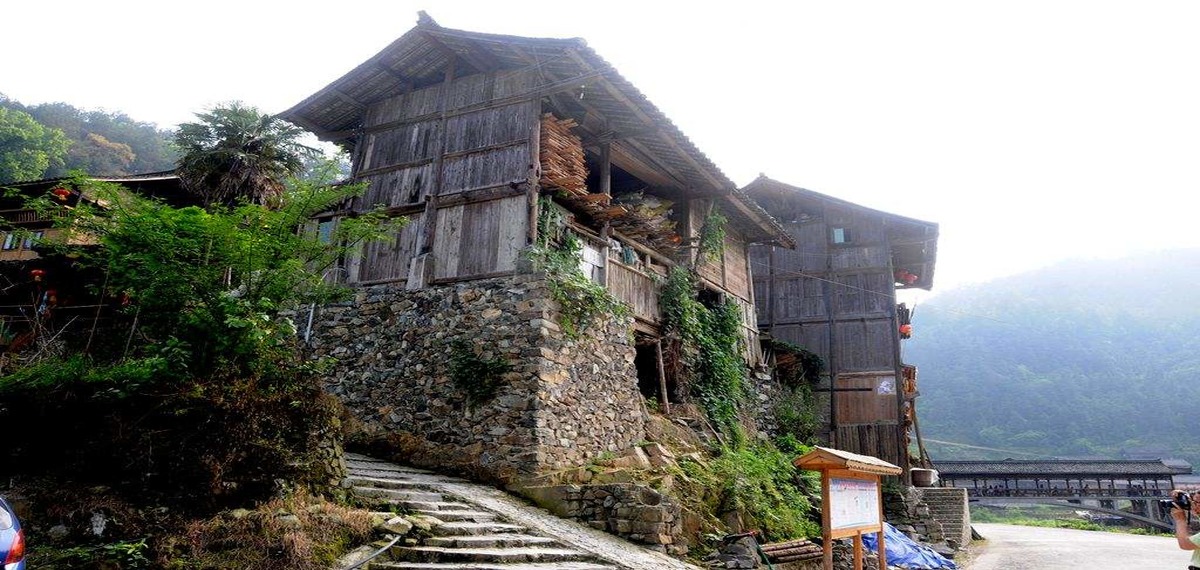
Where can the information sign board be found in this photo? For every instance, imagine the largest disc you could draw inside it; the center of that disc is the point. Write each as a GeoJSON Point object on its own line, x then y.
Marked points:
{"type": "Point", "coordinates": [853, 503]}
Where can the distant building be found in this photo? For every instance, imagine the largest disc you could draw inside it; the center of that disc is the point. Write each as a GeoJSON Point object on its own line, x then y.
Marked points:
{"type": "Point", "coordinates": [835, 295]}
{"type": "Point", "coordinates": [41, 291]}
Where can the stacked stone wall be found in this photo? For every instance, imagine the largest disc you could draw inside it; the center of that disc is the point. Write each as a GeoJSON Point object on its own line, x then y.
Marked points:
{"type": "Point", "coordinates": [564, 400]}
{"type": "Point", "coordinates": [635, 512]}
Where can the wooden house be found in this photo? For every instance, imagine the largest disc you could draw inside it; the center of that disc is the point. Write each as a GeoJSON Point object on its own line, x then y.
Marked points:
{"type": "Point", "coordinates": [477, 138]}
{"type": "Point", "coordinates": [463, 132]}
{"type": "Point", "coordinates": [835, 295]}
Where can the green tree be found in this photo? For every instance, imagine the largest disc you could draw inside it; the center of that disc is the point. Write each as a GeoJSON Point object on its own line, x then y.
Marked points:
{"type": "Point", "coordinates": [236, 153]}
{"type": "Point", "coordinates": [27, 148]}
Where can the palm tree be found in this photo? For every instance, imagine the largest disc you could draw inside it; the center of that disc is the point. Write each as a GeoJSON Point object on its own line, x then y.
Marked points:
{"type": "Point", "coordinates": [236, 153]}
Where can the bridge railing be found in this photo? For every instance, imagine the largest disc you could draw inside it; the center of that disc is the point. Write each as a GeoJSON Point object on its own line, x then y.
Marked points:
{"type": "Point", "coordinates": [1066, 493]}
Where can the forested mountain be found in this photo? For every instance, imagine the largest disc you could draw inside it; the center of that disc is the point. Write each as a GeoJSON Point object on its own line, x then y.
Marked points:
{"type": "Point", "coordinates": [1096, 358]}
{"type": "Point", "coordinates": [101, 142]}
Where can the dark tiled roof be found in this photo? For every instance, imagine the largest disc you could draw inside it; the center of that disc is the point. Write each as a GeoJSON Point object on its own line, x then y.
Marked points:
{"type": "Point", "coordinates": [1084, 468]}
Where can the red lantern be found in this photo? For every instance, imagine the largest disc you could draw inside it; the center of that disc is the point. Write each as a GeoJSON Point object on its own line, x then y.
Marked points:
{"type": "Point", "coordinates": [37, 274]}
{"type": "Point", "coordinates": [61, 193]}
{"type": "Point", "coordinates": [906, 277]}
{"type": "Point", "coordinates": [905, 331]}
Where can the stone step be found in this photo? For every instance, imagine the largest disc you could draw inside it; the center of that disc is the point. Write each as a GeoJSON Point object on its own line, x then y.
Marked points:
{"type": "Point", "coordinates": [460, 515]}
{"type": "Point", "coordinates": [439, 506]}
{"type": "Point", "coordinates": [396, 480]}
{"type": "Point", "coordinates": [489, 541]}
{"type": "Point", "coordinates": [489, 566]}
{"type": "Point", "coordinates": [490, 555]}
{"type": "Point", "coordinates": [476, 528]}
{"type": "Point", "coordinates": [420, 496]}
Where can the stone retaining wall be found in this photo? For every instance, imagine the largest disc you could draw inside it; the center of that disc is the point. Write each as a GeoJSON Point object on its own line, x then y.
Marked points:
{"type": "Point", "coordinates": [634, 512]}
{"type": "Point", "coordinates": [564, 401]}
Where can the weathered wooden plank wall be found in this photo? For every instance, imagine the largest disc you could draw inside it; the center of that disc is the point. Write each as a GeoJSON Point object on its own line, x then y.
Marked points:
{"type": "Point", "coordinates": [864, 346]}
{"type": "Point", "coordinates": [634, 288]}
{"type": "Point", "coordinates": [735, 271]}
{"type": "Point", "coordinates": [478, 227]}
{"type": "Point", "coordinates": [873, 399]}
{"type": "Point", "coordinates": [388, 261]}
{"type": "Point", "coordinates": [479, 238]}
{"type": "Point", "coordinates": [878, 440]}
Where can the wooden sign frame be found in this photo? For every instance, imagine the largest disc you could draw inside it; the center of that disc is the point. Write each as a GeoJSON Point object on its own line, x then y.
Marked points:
{"type": "Point", "coordinates": [853, 482]}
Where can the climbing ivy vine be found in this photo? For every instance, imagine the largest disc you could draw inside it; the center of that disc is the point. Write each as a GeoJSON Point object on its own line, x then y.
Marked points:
{"type": "Point", "coordinates": [709, 341]}
{"type": "Point", "coordinates": [712, 236]}
{"type": "Point", "coordinates": [558, 252]}
{"type": "Point", "coordinates": [478, 378]}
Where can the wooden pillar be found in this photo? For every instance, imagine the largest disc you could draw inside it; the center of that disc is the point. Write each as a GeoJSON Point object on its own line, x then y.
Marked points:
{"type": "Point", "coordinates": [662, 378]}
{"type": "Point", "coordinates": [606, 168]}
{"type": "Point", "coordinates": [535, 174]}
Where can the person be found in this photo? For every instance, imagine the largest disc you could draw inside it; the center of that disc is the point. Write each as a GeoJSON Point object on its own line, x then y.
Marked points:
{"type": "Point", "coordinates": [1187, 542]}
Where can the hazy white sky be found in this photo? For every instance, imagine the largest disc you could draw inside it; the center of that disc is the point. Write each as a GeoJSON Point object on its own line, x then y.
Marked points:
{"type": "Point", "coordinates": [1031, 131]}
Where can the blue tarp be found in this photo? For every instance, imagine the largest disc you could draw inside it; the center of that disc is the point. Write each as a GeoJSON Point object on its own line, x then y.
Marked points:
{"type": "Point", "coordinates": [903, 551]}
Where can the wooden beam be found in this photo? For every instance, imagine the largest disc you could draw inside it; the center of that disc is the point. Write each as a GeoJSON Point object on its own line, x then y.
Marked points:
{"type": "Point", "coordinates": [481, 60]}
{"type": "Point", "coordinates": [613, 136]}
{"type": "Point", "coordinates": [406, 84]}
{"type": "Point", "coordinates": [348, 99]}
{"type": "Point", "coordinates": [304, 122]}
{"type": "Point", "coordinates": [467, 58]}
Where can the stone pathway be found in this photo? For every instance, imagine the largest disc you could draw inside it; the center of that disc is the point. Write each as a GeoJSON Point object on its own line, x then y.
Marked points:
{"type": "Point", "coordinates": [486, 529]}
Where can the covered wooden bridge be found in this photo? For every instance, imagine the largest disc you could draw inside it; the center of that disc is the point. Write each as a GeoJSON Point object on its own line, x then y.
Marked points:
{"type": "Point", "coordinates": [1095, 485]}
{"type": "Point", "coordinates": [1061, 478]}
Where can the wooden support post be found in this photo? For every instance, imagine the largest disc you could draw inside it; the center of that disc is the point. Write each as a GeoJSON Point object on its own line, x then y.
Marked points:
{"type": "Point", "coordinates": [662, 378]}
{"type": "Point", "coordinates": [606, 168]}
{"type": "Point", "coordinates": [429, 218]}
{"type": "Point", "coordinates": [535, 175]}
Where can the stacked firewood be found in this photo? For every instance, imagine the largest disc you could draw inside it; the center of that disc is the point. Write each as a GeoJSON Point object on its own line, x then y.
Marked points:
{"type": "Point", "coordinates": [792, 551]}
{"type": "Point", "coordinates": [563, 164]}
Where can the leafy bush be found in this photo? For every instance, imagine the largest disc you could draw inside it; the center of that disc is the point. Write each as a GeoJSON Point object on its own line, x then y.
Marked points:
{"type": "Point", "coordinates": [203, 395]}
{"type": "Point", "coordinates": [581, 301]}
{"type": "Point", "coordinates": [708, 341]}
{"type": "Point", "coordinates": [758, 482]}
{"type": "Point", "coordinates": [476, 377]}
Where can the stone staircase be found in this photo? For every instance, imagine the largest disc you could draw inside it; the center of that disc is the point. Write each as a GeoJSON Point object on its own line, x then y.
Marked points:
{"type": "Point", "coordinates": [475, 527]}
{"type": "Point", "coordinates": [948, 506]}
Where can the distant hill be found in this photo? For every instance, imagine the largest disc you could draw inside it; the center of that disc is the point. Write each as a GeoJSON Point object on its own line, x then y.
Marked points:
{"type": "Point", "coordinates": [103, 142]}
{"type": "Point", "coordinates": [1095, 358]}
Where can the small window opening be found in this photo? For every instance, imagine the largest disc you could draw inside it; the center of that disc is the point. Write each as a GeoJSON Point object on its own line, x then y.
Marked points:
{"type": "Point", "coordinates": [325, 230]}
{"type": "Point", "coordinates": [414, 193]}
{"type": "Point", "coordinates": [710, 298]}
{"type": "Point", "coordinates": [32, 239]}
{"type": "Point", "coordinates": [10, 241]}
{"type": "Point", "coordinates": [841, 235]}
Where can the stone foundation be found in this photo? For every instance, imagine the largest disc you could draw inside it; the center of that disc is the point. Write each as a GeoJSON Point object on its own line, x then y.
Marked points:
{"type": "Point", "coordinates": [563, 402]}
{"type": "Point", "coordinates": [634, 512]}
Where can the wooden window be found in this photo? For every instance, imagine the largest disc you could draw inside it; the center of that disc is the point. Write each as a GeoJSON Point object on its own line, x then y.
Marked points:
{"type": "Point", "coordinates": [31, 239]}
{"type": "Point", "coordinates": [841, 235]}
{"type": "Point", "coordinates": [325, 230]}
{"type": "Point", "coordinates": [10, 241]}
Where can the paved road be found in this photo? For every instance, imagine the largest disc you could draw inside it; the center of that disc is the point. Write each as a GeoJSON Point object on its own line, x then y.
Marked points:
{"type": "Point", "coordinates": [1010, 547]}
